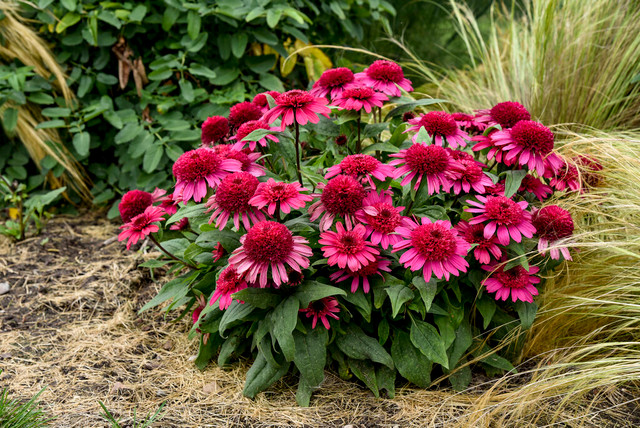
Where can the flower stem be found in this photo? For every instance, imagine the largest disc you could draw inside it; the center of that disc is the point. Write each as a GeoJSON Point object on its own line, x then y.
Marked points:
{"type": "Point", "coordinates": [359, 143]}
{"type": "Point", "coordinates": [297, 126]}
{"type": "Point", "coordinates": [169, 254]}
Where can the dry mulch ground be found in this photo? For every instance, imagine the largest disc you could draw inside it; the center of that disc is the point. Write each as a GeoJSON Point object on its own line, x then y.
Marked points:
{"type": "Point", "coordinates": [70, 322]}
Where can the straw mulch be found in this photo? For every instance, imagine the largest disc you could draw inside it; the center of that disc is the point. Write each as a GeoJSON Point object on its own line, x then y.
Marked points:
{"type": "Point", "coordinates": [70, 323]}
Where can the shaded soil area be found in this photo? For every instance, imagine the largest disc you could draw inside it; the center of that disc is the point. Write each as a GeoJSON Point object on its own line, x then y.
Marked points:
{"type": "Point", "coordinates": [70, 323]}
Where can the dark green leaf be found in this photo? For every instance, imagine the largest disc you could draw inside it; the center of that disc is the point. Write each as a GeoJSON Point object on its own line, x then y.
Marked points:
{"type": "Point", "coordinates": [194, 22]}
{"type": "Point", "coordinates": [81, 142]}
{"type": "Point", "coordinates": [262, 375]}
{"type": "Point", "coordinates": [461, 378]}
{"type": "Point", "coordinates": [513, 181]}
{"type": "Point", "coordinates": [271, 82]}
{"type": "Point", "coordinates": [202, 70]}
{"type": "Point", "coordinates": [386, 379]}
{"type": "Point", "coordinates": [399, 295]}
{"type": "Point", "coordinates": [58, 123]}
{"type": "Point", "coordinates": [285, 318]}
{"type": "Point", "coordinates": [427, 289]}
{"type": "Point", "coordinates": [425, 337]}
{"type": "Point", "coordinates": [233, 315]}
{"type": "Point", "coordinates": [310, 358]}
{"type": "Point", "coordinates": [486, 304]}
{"type": "Point", "coordinates": [402, 108]}
{"type": "Point", "coordinates": [356, 344]}
{"type": "Point", "coordinates": [174, 289]}
{"type": "Point", "coordinates": [527, 313]}
{"type": "Point", "coordinates": [261, 298]}
{"type": "Point", "coordinates": [412, 364]}
{"type": "Point", "coordinates": [239, 44]}
{"type": "Point", "coordinates": [189, 211]}
{"type": "Point", "coordinates": [310, 291]}
{"type": "Point", "coordinates": [128, 133]}
{"type": "Point", "coordinates": [56, 112]}
{"type": "Point", "coordinates": [10, 119]}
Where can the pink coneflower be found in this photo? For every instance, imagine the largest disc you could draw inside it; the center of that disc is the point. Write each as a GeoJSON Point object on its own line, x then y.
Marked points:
{"type": "Point", "coordinates": [195, 316]}
{"type": "Point", "coordinates": [181, 224]}
{"type": "Point", "coordinates": [232, 199]}
{"type": "Point", "coordinates": [133, 203]}
{"type": "Point", "coordinates": [435, 248]}
{"type": "Point", "coordinates": [278, 195]}
{"type": "Point", "coordinates": [321, 309]}
{"type": "Point", "coordinates": [270, 246]}
{"type": "Point", "coordinates": [534, 185]}
{"type": "Point", "coordinates": [246, 157]}
{"type": "Point", "coordinates": [386, 77]}
{"type": "Point", "coordinates": [468, 174]}
{"type": "Point", "coordinates": [406, 117]}
{"type": "Point", "coordinates": [469, 123]}
{"type": "Point", "coordinates": [362, 167]}
{"type": "Point", "coordinates": [230, 281]}
{"type": "Point", "coordinates": [517, 282]}
{"type": "Point", "coordinates": [485, 248]}
{"type": "Point", "coordinates": [380, 218]}
{"type": "Point", "coordinates": [441, 126]}
{"type": "Point", "coordinates": [261, 100]}
{"type": "Point", "coordinates": [247, 128]}
{"type": "Point", "coordinates": [496, 189]}
{"type": "Point", "coordinates": [486, 142]}
{"type": "Point", "coordinates": [530, 143]}
{"type": "Point", "coordinates": [197, 168]}
{"type": "Point", "coordinates": [333, 82]}
{"type": "Point", "coordinates": [347, 248]}
{"type": "Point", "coordinates": [359, 97]}
{"type": "Point", "coordinates": [341, 196]}
{"type": "Point", "coordinates": [169, 204]}
{"type": "Point", "coordinates": [424, 162]}
{"type": "Point", "coordinates": [218, 252]}
{"type": "Point", "coordinates": [214, 129]}
{"type": "Point", "coordinates": [565, 177]}
{"type": "Point", "coordinates": [341, 140]}
{"type": "Point", "coordinates": [243, 112]}
{"type": "Point", "coordinates": [371, 268]}
{"type": "Point", "coordinates": [300, 105]}
{"type": "Point", "coordinates": [141, 225]}
{"type": "Point", "coordinates": [553, 224]}
{"type": "Point", "coordinates": [505, 114]}
{"type": "Point", "coordinates": [590, 169]}
{"type": "Point", "coordinates": [503, 214]}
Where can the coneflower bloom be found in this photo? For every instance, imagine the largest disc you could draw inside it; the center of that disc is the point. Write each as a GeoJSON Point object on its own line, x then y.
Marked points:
{"type": "Point", "coordinates": [407, 116]}
{"type": "Point", "coordinates": [347, 248]}
{"type": "Point", "coordinates": [503, 215]}
{"type": "Point", "coordinates": [133, 203]}
{"type": "Point", "coordinates": [278, 195]}
{"type": "Point", "coordinates": [169, 204]}
{"type": "Point", "coordinates": [436, 248]}
{"type": "Point", "coordinates": [297, 104]}
{"type": "Point", "coordinates": [441, 127]}
{"type": "Point", "coordinates": [424, 162]}
{"type": "Point", "coordinates": [386, 77]}
{"type": "Point", "coordinates": [246, 157]}
{"type": "Point", "coordinates": [141, 225]}
{"type": "Point", "coordinates": [380, 218]}
{"type": "Point", "coordinates": [232, 200]}
{"type": "Point", "coordinates": [261, 100]}
{"type": "Point", "coordinates": [496, 189]}
{"type": "Point", "coordinates": [468, 174]}
{"type": "Point", "coordinates": [247, 128]}
{"type": "Point", "coordinates": [485, 248]}
{"type": "Point", "coordinates": [534, 185]}
{"type": "Point", "coordinates": [590, 169]}
{"type": "Point", "coordinates": [230, 281]}
{"type": "Point", "coordinates": [469, 123]}
{"type": "Point", "coordinates": [531, 143]}
{"type": "Point", "coordinates": [243, 112]}
{"type": "Point", "coordinates": [486, 142]}
{"type": "Point", "coordinates": [218, 252]}
{"type": "Point", "coordinates": [197, 168]}
{"type": "Point", "coordinates": [181, 224]}
{"type": "Point", "coordinates": [333, 82]}
{"type": "Point", "coordinates": [553, 224]}
{"type": "Point", "coordinates": [565, 177]}
{"type": "Point", "coordinates": [358, 97]}
{"type": "Point", "coordinates": [321, 309]}
{"type": "Point", "coordinates": [270, 247]}
{"type": "Point", "coordinates": [505, 114]}
{"type": "Point", "coordinates": [517, 282]}
{"type": "Point", "coordinates": [370, 269]}
{"type": "Point", "coordinates": [214, 129]}
{"type": "Point", "coordinates": [362, 167]}
{"type": "Point", "coordinates": [341, 196]}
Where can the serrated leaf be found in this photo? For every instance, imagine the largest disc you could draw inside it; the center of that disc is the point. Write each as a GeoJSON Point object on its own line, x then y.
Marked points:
{"type": "Point", "coordinates": [425, 337]}
{"type": "Point", "coordinates": [357, 345]}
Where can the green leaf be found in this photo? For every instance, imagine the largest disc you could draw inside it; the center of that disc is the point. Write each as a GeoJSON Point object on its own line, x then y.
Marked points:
{"type": "Point", "coordinates": [462, 342]}
{"type": "Point", "coordinates": [461, 378]}
{"type": "Point", "coordinates": [382, 147]}
{"type": "Point", "coordinates": [310, 358]}
{"type": "Point", "coordinates": [224, 76]}
{"type": "Point", "coordinates": [373, 129]}
{"type": "Point", "coordinates": [206, 351]}
{"type": "Point", "coordinates": [85, 84]}
{"type": "Point", "coordinates": [285, 318]}
{"type": "Point", "coordinates": [186, 89]}
{"type": "Point", "coordinates": [425, 337]}
{"type": "Point", "coordinates": [310, 291]}
{"type": "Point", "coordinates": [494, 360]}
{"type": "Point", "coordinates": [412, 364]}
{"type": "Point", "coordinates": [262, 375]}
{"type": "Point", "coordinates": [239, 44]}
{"type": "Point", "coordinates": [427, 289]}
{"type": "Point", "coordinates": [188, 211]}
{"type": "Point", "coordinates": [513, 181]}
{"type": "Point", "coordinates": [402, 108]}
{"type": "Point", "coordinates": [10, 119]}
{"type": "Point", "coordinates": [169, 18]}
{"type": "Point", "coordinates": [107, 79]}
{"type": "Point", "coordinates": [527, 313]}
{"type": "Point", "coordinates": [69, 4]}
{"type": "Point", "coordinates": [174, 289]}
{"type": "Point", "coordinates": [260, 64]}
{"type": "Point", "coordinates": [365, 371]}
{"type": "Point", "coordinates": [56, 112]}
{"type": "Point", "coordinates": [233, 315]}
{"type": "Point", "coordinates": [399, 295]}
{"type": "Point", "coordinates": [273, 17]}
{"type": "Point", "coordinates": [40, 98]}
{"type": "Point", "coordinates": [81, 142]}
{"type": "Point", "coordinates": [69, 20]}
{"type": "Point", "coordinates": [228, 348]}
{"type": "Point", "coordinates": [138, 13]}
{"type": "Point", "coordinates": [386, 379]}
{"type": "Point", "coordinates": [202, 70]}
{"type": "Point", "coordinates": [356, 344]}
{"type": "Point", "coordinates": [228, 239]}
{"type": "Point", "coordinates": [362, 302]}
{"type": "Point", "coordinates": [271, 82]}
{"type": "Point", "coordinates": [128, 133]}
{"type": "Point", "coordinates": [261, 298]}
{"type": "Point", "coordinates": [486, 304]}
{"type": "Point", "coordinates": [58, 123]}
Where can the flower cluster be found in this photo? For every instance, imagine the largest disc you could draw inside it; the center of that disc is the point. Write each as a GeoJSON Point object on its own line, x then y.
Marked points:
{"type": "Point", "coordinates": [293, 228]}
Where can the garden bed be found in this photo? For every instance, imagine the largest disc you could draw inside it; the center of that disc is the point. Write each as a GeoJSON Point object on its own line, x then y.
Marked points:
{"type": "Point", "coordinates": [70, 323]}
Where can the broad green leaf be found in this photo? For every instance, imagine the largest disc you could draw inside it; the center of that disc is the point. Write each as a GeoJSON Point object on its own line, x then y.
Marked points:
{"type": "Point", "coordinates": [273, 17]}
{"type": "Point", "coordinates": [224, 76]}
{"type": "Point", "coordinates": [486, 304]}
{"type": "Point", "coordinates": [399, 295]}
{"type": "Point", "coordinates": [262, 375]}
{"type": "Point", "coordinates": [513, 181]}
{"type": "Point", "coordinates": [362, 302]}
{"type": "Point", "coordinates": [285, 318]}
{"type": "Point", "coordinates": [494, 360]}
{"type": "Point", "coordinates": [228, 348]}
{"type": "Point", "coordinates": [382, 147]}
{"type": "Point", "coordinates": [461, 378]}
{"type": "Point", "coordinates": [188, 211]}
{"type": "Point", "coordinates": [160, 74]}
{"type": "Point", "coordinates": [425, 337]}
{"type": "Point", "coordinates": [69, 4]}
{"type": "Point", "coordinates": [10, 119]}
{"type": "Point", "coordinates": [56, 112]}
{"type": "Point", "coordinates": [186, 89]}
{"type": "Point", "coordinates": [81, 142]}
{"type": "Point", "coordinates": [357, 345]}
{"type": "Point", "coordinates": [427, 289]}
{"type": "Point", "coordinates": [239, 44]}
{"type": "Point", "coordinates": [271, 82]}
{"type": "Point", "coordinates": [365, 371]}
{"type": "Point", "coordinates": [175, 289]}
{"type": "Point", "coordinates": [206, 352]}
{"type": "Point", "coordinates": [234, 314]}
{"type": "Point", "coordinates": [261, 298]}
{"type": "Point", "coordinates": [194, 22]}
{"type": "Point", "coordinates": [86, 82]}
{"type": "Point", "coordinates": [527, 313]}
{"type": "Point", "coordinates": [386, 379]}
{"type": "Point", "coordinates": [310, 358]}
{"type": "Point", "coordinates": [412, 364]}
{"type": "Point", "coordinates": [201, 70]}
{"type": "Point", "coordinates": [138, 13]}
{"type": "Point", "coordinates": [310, 291]}
{"type": "Point", "coordinates": [68, 20]}
{"type": "Point", "coordinates": [128, 133]}
{"type": "Point", "coordinates": [40, 98]}
{"type": "Point", "coordinates": [462, 342]}
{"type": "Point", "coordinates": [57, 123]}
{"type": "Point", "coordinates": [152, 157]}
{"type": "Point", "coordinates": [402, 108]}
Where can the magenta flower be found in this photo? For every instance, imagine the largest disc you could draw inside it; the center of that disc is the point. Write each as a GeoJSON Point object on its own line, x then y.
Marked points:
{"type": "Point", "coordinates": [441, 126]}
{"type": "Point", "coordinates": [341, 196]}
{"type": "Point", "coordinates": [141, 225]}
{"type": "Point", "coordinates": [218, 252]}
{"type": "Point", "coordinates": [169, 204]}
{"type": "Point", "coordinates": [424, 162]}
{"type": "Point", "coordinates": [247, 158]}
{"type": "Point", "coordinates": [485, 248]}
{"type": "Point", "coordinates": [435, 248]}
{"type": "Point", "coordinates": [197, 168]}
{"type": "Point", "coordinates": [362, 167]}
{"type": "Point", "coordinates": [533, 185]}
{"type": "Point", "coordinates": [370, 269]}
{"type": "Point", "coordinates": [566, 177]}
{"type": "Point", "coordinates": [503, 214]}
{"type": "Point", "coordinates": [381, 219]}
{"type": "Point", "coordinates": [333, 82]}
{"type": "Point", "coordinates": [358, 97]}
{"type": "Point", "coordinates": [469, 123]}
{"type": "Point", "coordinates": [232, 199]}
{"type": "Point", "coordinates": [270, 246]}
{"type": "Point", "coordinates": [553, 225]}
{"type": "Point", "coordinates": [278, 195]}
{"type": "Point", "coordinates": [261, 100]}
{"type": "Point", "coordinates": [229, 281]}
{"type": "Point", "coordinates": [468, 174]}
{"type": "Point", "coordinates": [386, 77]}
{"type": "Point", "coordinates": [181, 224]}
{"type": "Point", "coordinates": [243, 112]}
{"type": "Point", "coordinates": [133, 203]}
{"type": "Point", "coordinates": [505, 114]}
{"type": "Point", "coordinates": [517, 282]}
{"type": "Point", "coordinates": [214, 129]}
{"type": "Point", "coordinates": [246, 129]}
{"type": "Point", "coordinates": [298, 105]}
{"type": "Point", "coordinates": [347, 248]}
{"type": "Point", "coordinates": [321, 309]}
{"type": "Point", "coordinates": [487, 142]}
